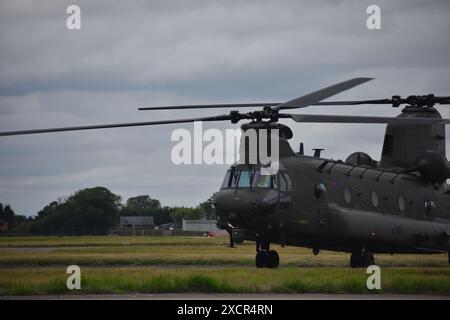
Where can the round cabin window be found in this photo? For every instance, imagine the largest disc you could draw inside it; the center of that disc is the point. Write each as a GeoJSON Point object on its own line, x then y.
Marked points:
{"type": "Point", "coordinates": [401, 203]}
{"type": "Point", "coordinates": [374, 199]}
{"type": "Point", "coordinates": [347, 195]}
{"type": "Point", "coordinates": [319, 192]}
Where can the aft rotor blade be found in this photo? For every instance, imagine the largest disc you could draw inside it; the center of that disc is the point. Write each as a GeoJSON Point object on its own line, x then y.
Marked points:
{"type": "Point", "coordinates": [320, 118]}
{"type": "Point", "coordinates": [353, 102]}
{"type": "Point", "coordinates": [317, 96]}
{"type": "Point", "coordinates": [397, 102]}
{"type": "Point", "coordinates": [213, 106]}
{"type": "Point", "coordinates": [115, 125]}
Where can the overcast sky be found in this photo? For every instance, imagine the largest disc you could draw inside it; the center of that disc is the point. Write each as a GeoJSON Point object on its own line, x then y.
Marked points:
{"type": "Point", "coordinates": [130, 54]}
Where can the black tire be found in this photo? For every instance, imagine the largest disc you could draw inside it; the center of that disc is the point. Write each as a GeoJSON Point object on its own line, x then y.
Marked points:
{"type": "Point", "coordinates": [273, 259]}
{"type": "Point", "coordinates": [261, 259]}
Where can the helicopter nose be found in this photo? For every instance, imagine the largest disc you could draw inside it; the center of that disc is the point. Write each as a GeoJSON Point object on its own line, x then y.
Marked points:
{"type": "Point", "coordinates": [233, 217]}
{"type": "Point", "coordinates": [246, 208]}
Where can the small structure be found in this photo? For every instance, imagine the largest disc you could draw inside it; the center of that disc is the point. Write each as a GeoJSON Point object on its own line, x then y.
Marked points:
{"type": "Point", "coordinates": [208, 226]}
{"type": "Point", "coordinates": [4, 226]}
{"type": "Point", "coordinates": [136, 222]}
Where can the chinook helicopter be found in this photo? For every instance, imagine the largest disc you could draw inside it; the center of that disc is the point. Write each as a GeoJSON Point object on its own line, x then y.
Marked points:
{"type": "Point", "coordinates": [400, 204]}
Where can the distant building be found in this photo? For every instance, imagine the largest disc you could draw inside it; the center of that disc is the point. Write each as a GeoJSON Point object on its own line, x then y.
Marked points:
{"type": "Point", "coordinates": [201, 226]}
{"type": "Point", "coordinates": [139, 222]}
{"type": "Point", "coordinates": [4, 226]}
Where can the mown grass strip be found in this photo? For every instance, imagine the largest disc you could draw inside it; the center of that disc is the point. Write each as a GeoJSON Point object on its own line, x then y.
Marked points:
{"type": "Point", "coordinates": [93, 241]}
{"type": "Point", "coordinates": [213, 280]}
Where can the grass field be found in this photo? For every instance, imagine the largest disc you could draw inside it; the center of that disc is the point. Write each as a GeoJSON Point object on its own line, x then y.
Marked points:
{"type": "Point", "coordinates": [113, 264]}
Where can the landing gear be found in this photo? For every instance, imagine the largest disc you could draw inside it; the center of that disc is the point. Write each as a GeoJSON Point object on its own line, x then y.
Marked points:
{"type": "Point", "coordinates": [267, 259]}
{"type": "Point", "coordinates": [361, 259]}
{"type": "Point", "coordinates": [264, 256]}
{"type": "Point", "coordinates": [260, 259]}
{"type": "Point", "coordinates": [231, 241]}
{"type": "Point", "coordinates": [273, 259]}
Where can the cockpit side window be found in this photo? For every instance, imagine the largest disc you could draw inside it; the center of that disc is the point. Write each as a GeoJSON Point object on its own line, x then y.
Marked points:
{"type": "Point", "coordinates": [289, 182]}
{"type": "Point", "coordinates": [285, 182]}
{"type": "Point", "coordinates": [234, 178]}
{"type": "Point", "coordinates": [263, 181]}
{"type": "Point", "coordinates": [226, 180]}
{"type": "Point", "coordinates": [245, 179]}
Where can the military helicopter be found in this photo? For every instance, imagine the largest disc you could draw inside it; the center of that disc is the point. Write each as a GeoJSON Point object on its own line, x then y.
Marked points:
{"type": "Point", "coordinates": [400, 204]}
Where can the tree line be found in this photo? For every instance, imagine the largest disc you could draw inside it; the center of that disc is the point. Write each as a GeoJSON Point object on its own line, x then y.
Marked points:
{"type": "Point", "coordinates": [96, 211]}
{"type": "Point", "coordinates": [8, 216]}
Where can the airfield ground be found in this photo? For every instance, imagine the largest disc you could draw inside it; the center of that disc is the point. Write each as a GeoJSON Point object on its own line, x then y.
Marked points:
{"type": "Point", "coordinates": [115, 264]}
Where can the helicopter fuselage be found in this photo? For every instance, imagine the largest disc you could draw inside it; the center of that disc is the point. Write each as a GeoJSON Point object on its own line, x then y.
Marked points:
{"type": "Point", "coordinates": [332, 205]}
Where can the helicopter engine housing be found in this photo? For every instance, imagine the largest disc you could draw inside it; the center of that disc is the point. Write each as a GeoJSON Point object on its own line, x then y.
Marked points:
{"type": "Point", "coordinates": [432, 166]}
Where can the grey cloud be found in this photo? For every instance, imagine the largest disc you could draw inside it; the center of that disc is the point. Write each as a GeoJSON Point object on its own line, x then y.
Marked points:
{"type": "Point", "coordinates": [143, 53]}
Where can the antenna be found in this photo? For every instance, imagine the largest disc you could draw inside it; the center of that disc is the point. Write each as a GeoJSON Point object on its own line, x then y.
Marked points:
{"type": "Point", "coordinates": [317, 152]}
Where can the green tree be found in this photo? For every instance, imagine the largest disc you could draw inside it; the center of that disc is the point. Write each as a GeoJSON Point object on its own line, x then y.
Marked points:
{"type": "Point", "coordinates": [183, 213]}
{"type": "Point", "coordinates": [88, 211]}
{"type": "Point", "coordinates": [7, 214]}
{"type": "Point", "coordinates": [143, 202]}
{"type": "Point", "coordinates": [161, 215]}
{"type": "Point", "coordinates": [208, 208]}
{"type": "Point", "coordinates": [18, 219]}
{"type": "Point", "coordinates": [48, 210]}
{"type": "Point", "coordinates": [143, 205]}
{"type": "Point", "coordinates": [95, 209]}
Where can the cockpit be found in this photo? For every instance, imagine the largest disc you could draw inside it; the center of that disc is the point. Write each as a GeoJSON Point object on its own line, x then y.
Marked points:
{"type": "Point", "coordinates": [245, 178]}
{"type": "Point", "coordinates": [248, 197]}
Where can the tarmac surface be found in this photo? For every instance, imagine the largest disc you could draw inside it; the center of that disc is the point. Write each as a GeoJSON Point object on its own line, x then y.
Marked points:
{"type": "Point", "coordinates": [238, 296]}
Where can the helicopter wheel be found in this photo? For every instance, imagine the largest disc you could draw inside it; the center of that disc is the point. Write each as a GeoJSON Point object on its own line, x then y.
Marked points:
{"type": "Point", "coordinates": [261, 259]}
{"type": "Point", "coordinates": [361, 259]}
{"type": "Point", "coordinates": [273, 259]}
{"type": "Point", "coordinates": [269, 259]}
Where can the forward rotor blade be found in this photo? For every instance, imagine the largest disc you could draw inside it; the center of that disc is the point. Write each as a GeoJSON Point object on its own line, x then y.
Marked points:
{"type": "Point", "coordinates": [322, 94]}
{"type": "Point", "coordinates": [116, 125]}
{"type": "Point", "coordinates": [320, 118]}
{"type": "Point", "coordinates": [213, 106]}
{"type": "Point", "coordinates": [269, 104]}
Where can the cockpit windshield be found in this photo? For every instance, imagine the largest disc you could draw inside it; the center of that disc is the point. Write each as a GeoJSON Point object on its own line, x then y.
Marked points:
{"type": "Point", "coordinates": [248, 178]}
{"type": "Point", "coordinates": [245, 179]}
